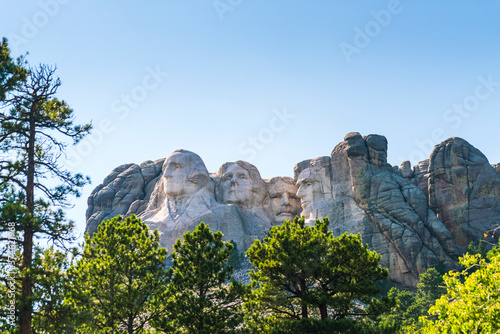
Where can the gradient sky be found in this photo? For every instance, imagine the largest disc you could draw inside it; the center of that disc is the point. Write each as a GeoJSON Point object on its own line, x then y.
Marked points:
{"type": "Point", "coordinates": [212, 76]}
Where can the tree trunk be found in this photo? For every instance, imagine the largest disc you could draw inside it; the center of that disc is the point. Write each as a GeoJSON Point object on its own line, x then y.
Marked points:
{"type": "Point", "coordinates": [26, 290]}
{"type": "Point", "coordinates": [26, 303]}
{"type": "Point", "coordinates": [130, 324]}
{"type": "Point", "coordinates": [323, 312]}
{"type": "Point", "coordinates": [130, 317]}
{"type": "Point", "coordinates": [304, 305]}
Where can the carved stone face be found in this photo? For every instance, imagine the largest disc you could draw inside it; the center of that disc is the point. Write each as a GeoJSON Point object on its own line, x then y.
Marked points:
{"type": "Point", "coordinates": [285, 204]}
{"type": "Point", "coordinates": [308, 190]}
{"type": "Point", "coordinates": [236, 185]}
{"type": "Point", "coordinates": [182, 174]}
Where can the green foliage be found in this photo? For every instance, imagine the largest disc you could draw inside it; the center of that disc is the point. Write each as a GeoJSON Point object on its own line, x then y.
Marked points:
{"type": "Point", "coordinates": [315, 326]}
{"type": "Point", "coordinates": [404, 312]}
{"type": "Point", "coordinates": [409, 307]}
{"type": "Point", "coordinates": [121, 271]}
{"type": "Point", "coordinates": [430, 287]}
{"type": "Point", "coordinates": [472, 301]}
{"type": "Point", "coordinates": [303, 274]}
{"type": "Point", "coordinates": [12, 72]}
{"type": "Point", "coordinates": [33, 124]}
{"type": "Point", "coordinates": [235, 257]}
{"type": "Point", "coordinates": [51, 285]}
{"type": "Point", "coordinates": [10, 294]}
{"type": "Point", "coordinates": [479, 248]}
{"type": "Point", "coordinates": [201, 297]}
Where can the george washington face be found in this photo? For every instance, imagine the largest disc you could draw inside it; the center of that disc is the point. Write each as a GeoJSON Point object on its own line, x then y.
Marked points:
{"type": "Point", "coordinates": [184, 173]}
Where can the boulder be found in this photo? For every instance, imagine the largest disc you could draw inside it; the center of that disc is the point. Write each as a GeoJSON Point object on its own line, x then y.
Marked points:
{"type": "Point", "coordinates": [464, 191]}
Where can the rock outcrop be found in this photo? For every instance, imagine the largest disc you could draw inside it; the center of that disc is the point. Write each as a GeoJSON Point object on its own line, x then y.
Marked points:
{"type": "Point", "coordinates": [464, 190]}
{"type": "Point", "coordinates": [415, 217]}
{"type": "Point", "coordinates": [125, 191]}
{"type": "Point", "coordinates": [361, 193]}
{"type": "Point", "coordinates": [496, 167]}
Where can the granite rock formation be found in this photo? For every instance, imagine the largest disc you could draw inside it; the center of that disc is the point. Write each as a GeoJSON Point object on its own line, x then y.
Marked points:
{"type": "Point", "coordinates": [361, 193]}
{"type": "Point", "coordinates": [414, 216]}
{"type": "Point", "coordinates": [126, 190]}
{"type": "Point", "coordinates": [496, 167]}
{"type": "Point", "coordinates": [239, 184]}
{"type": "Point", "coordinates": [285, 204]}
{"type": "Point", "coordinates": [184, 196]}
{"type": "Point", "coordinates": [464, 190]}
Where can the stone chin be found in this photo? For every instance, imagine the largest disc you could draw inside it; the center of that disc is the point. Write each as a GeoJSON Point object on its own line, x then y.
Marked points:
{"type": "Point", "coordinates": [173, 191]}
{"type": "Point", "coordinates": [305, 205]}
{"type": "Point", "coordinates": [179, 190]}
{"type": "Point", "coordinates": [237, 196]}
{"type": "Point", "coordinates": [306, 210]}
{"type": "Point", "coordinates": [281, 217]}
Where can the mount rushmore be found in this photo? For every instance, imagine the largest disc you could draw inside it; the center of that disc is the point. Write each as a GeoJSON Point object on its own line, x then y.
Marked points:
{"type": "Point", "coordinates": [415, 217]}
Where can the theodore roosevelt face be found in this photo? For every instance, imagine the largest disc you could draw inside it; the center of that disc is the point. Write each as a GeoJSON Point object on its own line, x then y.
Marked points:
{"type": "Point", "coordinates": [285, 204]}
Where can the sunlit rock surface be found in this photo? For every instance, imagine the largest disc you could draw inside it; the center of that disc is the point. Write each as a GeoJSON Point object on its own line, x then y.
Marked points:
{"type": "Point", "coordinates": [415, 216]}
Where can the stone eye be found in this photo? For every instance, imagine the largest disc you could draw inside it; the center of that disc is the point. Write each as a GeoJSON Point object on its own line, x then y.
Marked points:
{"type": "Point", "coordinates": [175, 165]}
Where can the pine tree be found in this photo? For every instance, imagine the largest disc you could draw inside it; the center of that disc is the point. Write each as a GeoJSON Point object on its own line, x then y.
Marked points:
{"type": "Point", "coordinates": [121, 271]}
{"type": "Point", "coordinates": [12, 72]}
{"type": "Point", "coordinates": [51, 285]}
{"type": "Point", "coordinates": [309, 280]}
{"type": "Point", "coordinates": [33, 123]}
{"type": "Point", "coordinates": [201, 298]}
{"type": "Point", "coordinates": [430, 287]}
{"type": "Point", "coordinates": [235, 257]}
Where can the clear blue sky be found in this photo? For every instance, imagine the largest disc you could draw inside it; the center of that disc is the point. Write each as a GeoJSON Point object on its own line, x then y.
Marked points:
{"type": "Point", "coordinates": [417, 72]}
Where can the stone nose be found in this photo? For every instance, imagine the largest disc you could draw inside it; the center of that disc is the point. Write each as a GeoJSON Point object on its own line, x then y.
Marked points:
{"type": "Point", "coordinates": [234, 181]}
{"type": "Point", "coordinates": [284, 199]}
{"type": "Point", "coordinates": [167, 173]}
{"type": "Point", "coordinates": [300, 193]}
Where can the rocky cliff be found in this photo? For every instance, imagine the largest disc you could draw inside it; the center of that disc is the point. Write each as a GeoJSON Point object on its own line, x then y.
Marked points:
{"type": "Point", "coordinates": [414, 216]}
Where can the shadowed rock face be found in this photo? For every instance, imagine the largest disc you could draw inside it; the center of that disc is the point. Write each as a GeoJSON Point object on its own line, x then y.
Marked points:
{"type": "Point", "coordinates": [368, 197]}
{"type": "Point", "coordinates": [414, 217]}
{"type": "Point", "coordinates": [464, 190]}
{"type": "Point", "coordinates": [125, 191]}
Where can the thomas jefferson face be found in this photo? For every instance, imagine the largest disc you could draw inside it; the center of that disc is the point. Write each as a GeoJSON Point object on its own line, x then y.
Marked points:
{"type": "Point", "coordinates": [284, 203]}
{"type": "Point", "coordinates": [176, 171]}
{"type": "Point", "coordinates": [236, 185]}
{"type": "Point", "coordinates": [308, 186]}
